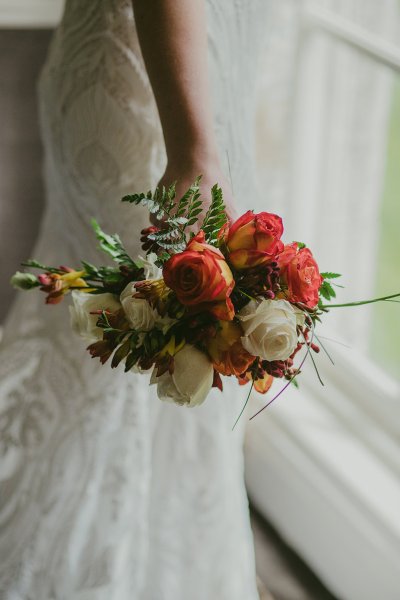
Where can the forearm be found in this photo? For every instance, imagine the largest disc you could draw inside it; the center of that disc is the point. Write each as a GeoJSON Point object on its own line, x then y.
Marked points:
{"type": "Point", "coordinates": [173, 39]}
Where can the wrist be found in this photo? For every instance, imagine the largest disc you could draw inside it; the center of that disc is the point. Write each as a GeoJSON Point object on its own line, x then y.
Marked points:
{"type": "Point", "coordinates": [187, 157]}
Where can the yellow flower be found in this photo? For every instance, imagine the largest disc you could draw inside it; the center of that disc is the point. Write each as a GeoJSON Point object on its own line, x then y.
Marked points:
{"type": "Point", "coordinates": [171, 347]}
{"type": "Point", "coordinates": [57, 285]}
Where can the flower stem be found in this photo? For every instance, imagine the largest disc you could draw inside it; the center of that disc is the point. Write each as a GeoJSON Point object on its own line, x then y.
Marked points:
{"type": "Point", "coordinates": [360, 302]}
{"type": "Point", "coordinates": [291, 379]}
{"type": "Point", "coordinates": [244, 406]}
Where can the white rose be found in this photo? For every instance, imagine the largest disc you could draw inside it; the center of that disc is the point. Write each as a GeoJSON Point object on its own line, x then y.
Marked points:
{"type": "Point", "coordinates": [82, 322]}
{"type": "Point", "coordinates": [138, 311]}
{"type": "Point", "coordinates": [270, 329]}
{"type": "Point", "coordinates": [191, 380]}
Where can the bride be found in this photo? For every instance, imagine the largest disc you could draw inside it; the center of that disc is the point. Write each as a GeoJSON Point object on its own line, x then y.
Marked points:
{"type": "Point", "coordinates": [107, 493]}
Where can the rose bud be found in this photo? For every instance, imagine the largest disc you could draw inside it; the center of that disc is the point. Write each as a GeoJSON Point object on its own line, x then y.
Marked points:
{"type": "Point", "coordinates": [254, 239]}
{"type": "Point", "coordinates": [299, 273]}
{"type": "Point", "coordinates": [201, 278]}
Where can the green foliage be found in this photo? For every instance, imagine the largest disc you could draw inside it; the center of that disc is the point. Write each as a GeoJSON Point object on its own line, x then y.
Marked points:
{"type": "Point", "coordinates": [215, 217]}
{"type": "Point", "coordinates": [113, 246]}
{"type": "Point", "coordinates": [329, 275]}
{"type": "Point", "coordinates": [178, 215]}
{"type": "Point", "coordinates": [111, 278]}
{"type": "Point", "coordinates": [34, 264]}
{"type": "Point", "coordinates": [326, 291]}
{"type": "Point", "coordinates": [301, 245]}
{"type": "Point", "coordinates": [109, 275]}
{"type": "Point", "coordinates": [120, 353]}
{"type": "Point", "coordinates": [131, 359]}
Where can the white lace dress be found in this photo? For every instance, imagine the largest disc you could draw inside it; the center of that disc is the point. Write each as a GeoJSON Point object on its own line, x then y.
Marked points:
{"type": "Point", "coordinates": [107, 493]}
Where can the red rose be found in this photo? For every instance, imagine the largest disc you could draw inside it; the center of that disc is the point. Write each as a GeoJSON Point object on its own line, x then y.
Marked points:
{"type": "Point", "coordinates": [201, 278]}
{"type": "Point", "coordinates": [300, 274]}
{"type": "Point", "coordinates": [254, 239]}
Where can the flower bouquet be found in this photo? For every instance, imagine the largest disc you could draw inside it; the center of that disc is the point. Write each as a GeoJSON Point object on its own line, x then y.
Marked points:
{"type": "Point", "coordinates": [230, 299]}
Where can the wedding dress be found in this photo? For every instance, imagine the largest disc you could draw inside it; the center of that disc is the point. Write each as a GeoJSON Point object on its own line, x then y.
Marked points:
{"type": "Point", "coordinates": [106, 492]}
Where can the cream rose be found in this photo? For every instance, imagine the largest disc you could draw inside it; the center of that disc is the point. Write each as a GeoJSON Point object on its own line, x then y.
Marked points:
{"type": "Point", "coordinates": [138, 311]}
{"type": "Point", "coordinates": [269, 328]}
{"type": "Point", "coordinates": [191, 380]}
{"type": "Point", "coordinates": [82, 322]}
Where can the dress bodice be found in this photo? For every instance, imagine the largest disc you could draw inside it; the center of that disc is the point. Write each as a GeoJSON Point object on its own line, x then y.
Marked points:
{"type": "Point", "coordinates": [95, 79]}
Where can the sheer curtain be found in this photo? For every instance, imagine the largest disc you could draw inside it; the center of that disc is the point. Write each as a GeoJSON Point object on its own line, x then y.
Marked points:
{"type": "Point", "coordinates": [323, 463]}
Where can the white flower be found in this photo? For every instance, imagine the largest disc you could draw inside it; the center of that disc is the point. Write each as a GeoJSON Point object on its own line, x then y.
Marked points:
{"type": "Point", "coordinates": [269, 328]}
{"type": "Point", "coordinates": [138, 311]}
{"type": "Point", "coordinates": [151, 271]}
{"type": "Point", "coordinates": [82, 322]}
{"type": "Point", "coordinates": [300, 316]}
{"type": "Point", "coordinates": [191, 380]}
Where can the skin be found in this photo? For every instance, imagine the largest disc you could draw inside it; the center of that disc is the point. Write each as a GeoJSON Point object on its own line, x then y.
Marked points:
{"type": "Point", "coordinates": [173, 40]}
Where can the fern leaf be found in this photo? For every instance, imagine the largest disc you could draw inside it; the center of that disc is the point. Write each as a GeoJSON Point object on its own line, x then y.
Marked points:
{"type": "Point", "coordinates": [329, 275]}
{"type": "Point", "coordinates": [215, 217]}
{"type": "Point", "coordinates": [112, 245]}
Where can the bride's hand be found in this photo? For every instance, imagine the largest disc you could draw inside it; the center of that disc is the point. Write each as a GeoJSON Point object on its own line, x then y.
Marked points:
{"type": "Point", "coordinates": [211, 174]}
{"type": "Point", "coordinates": [176, 62]}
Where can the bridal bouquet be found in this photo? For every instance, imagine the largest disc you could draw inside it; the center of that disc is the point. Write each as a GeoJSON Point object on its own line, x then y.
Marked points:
{"type": "Point", "coordinates": [228, 300]}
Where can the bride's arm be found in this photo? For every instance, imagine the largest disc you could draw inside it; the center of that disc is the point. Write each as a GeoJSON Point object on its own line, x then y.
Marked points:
{"type": "Point", "coordinates": [173, 39]}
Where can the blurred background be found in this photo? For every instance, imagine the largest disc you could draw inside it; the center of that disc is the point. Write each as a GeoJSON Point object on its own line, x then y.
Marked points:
{"type": "Point", "coordinates": [322, 463]}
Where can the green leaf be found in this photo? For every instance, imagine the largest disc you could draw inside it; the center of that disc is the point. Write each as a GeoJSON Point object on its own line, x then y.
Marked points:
{"type": "Point", "coordinates": [112, 245]}
{"type": "Point", "coordinates": [162, 258]}
{"type": "Point", "coordinates": [164, 235]}
{"type": "Point", "coordinates": [120, 354]}
{"type": "Point", "coordinates": [327, 291]}
{"type": "Point", "coordinates": [215, 217]}
{"type": "Point", "coordinates": [91, 270]}
{"type": "Point", "coordinates": [136, 198]}
{"type": "Point", "coordinates": [131, 360]}
{"type": "Point", "coordinates": [34, 264]}
{"type": "Point", "coordinates": [301, 245]}
{"type": "Point", "coordinates": [329, 275]}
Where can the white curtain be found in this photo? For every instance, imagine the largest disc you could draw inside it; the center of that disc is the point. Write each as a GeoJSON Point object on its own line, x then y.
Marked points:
{"type": "Point", "coordinates": [323, 463]}
{"type": "Point", "coordinates": [322, 138]}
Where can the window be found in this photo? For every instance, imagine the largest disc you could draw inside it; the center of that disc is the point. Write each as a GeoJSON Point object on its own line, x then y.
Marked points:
{"type": "Point", "coordinates": [329, 152]}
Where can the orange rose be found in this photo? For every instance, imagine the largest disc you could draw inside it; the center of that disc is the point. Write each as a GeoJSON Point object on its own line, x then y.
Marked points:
{"type": "Point", "coordinates": [254, 239]}
{"type": "Point", "coordinates": [300, 274]}
{"type": "Point", "coordinates": [201, 278]}
{"type": "Point", "coordinates": [226, 350]}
